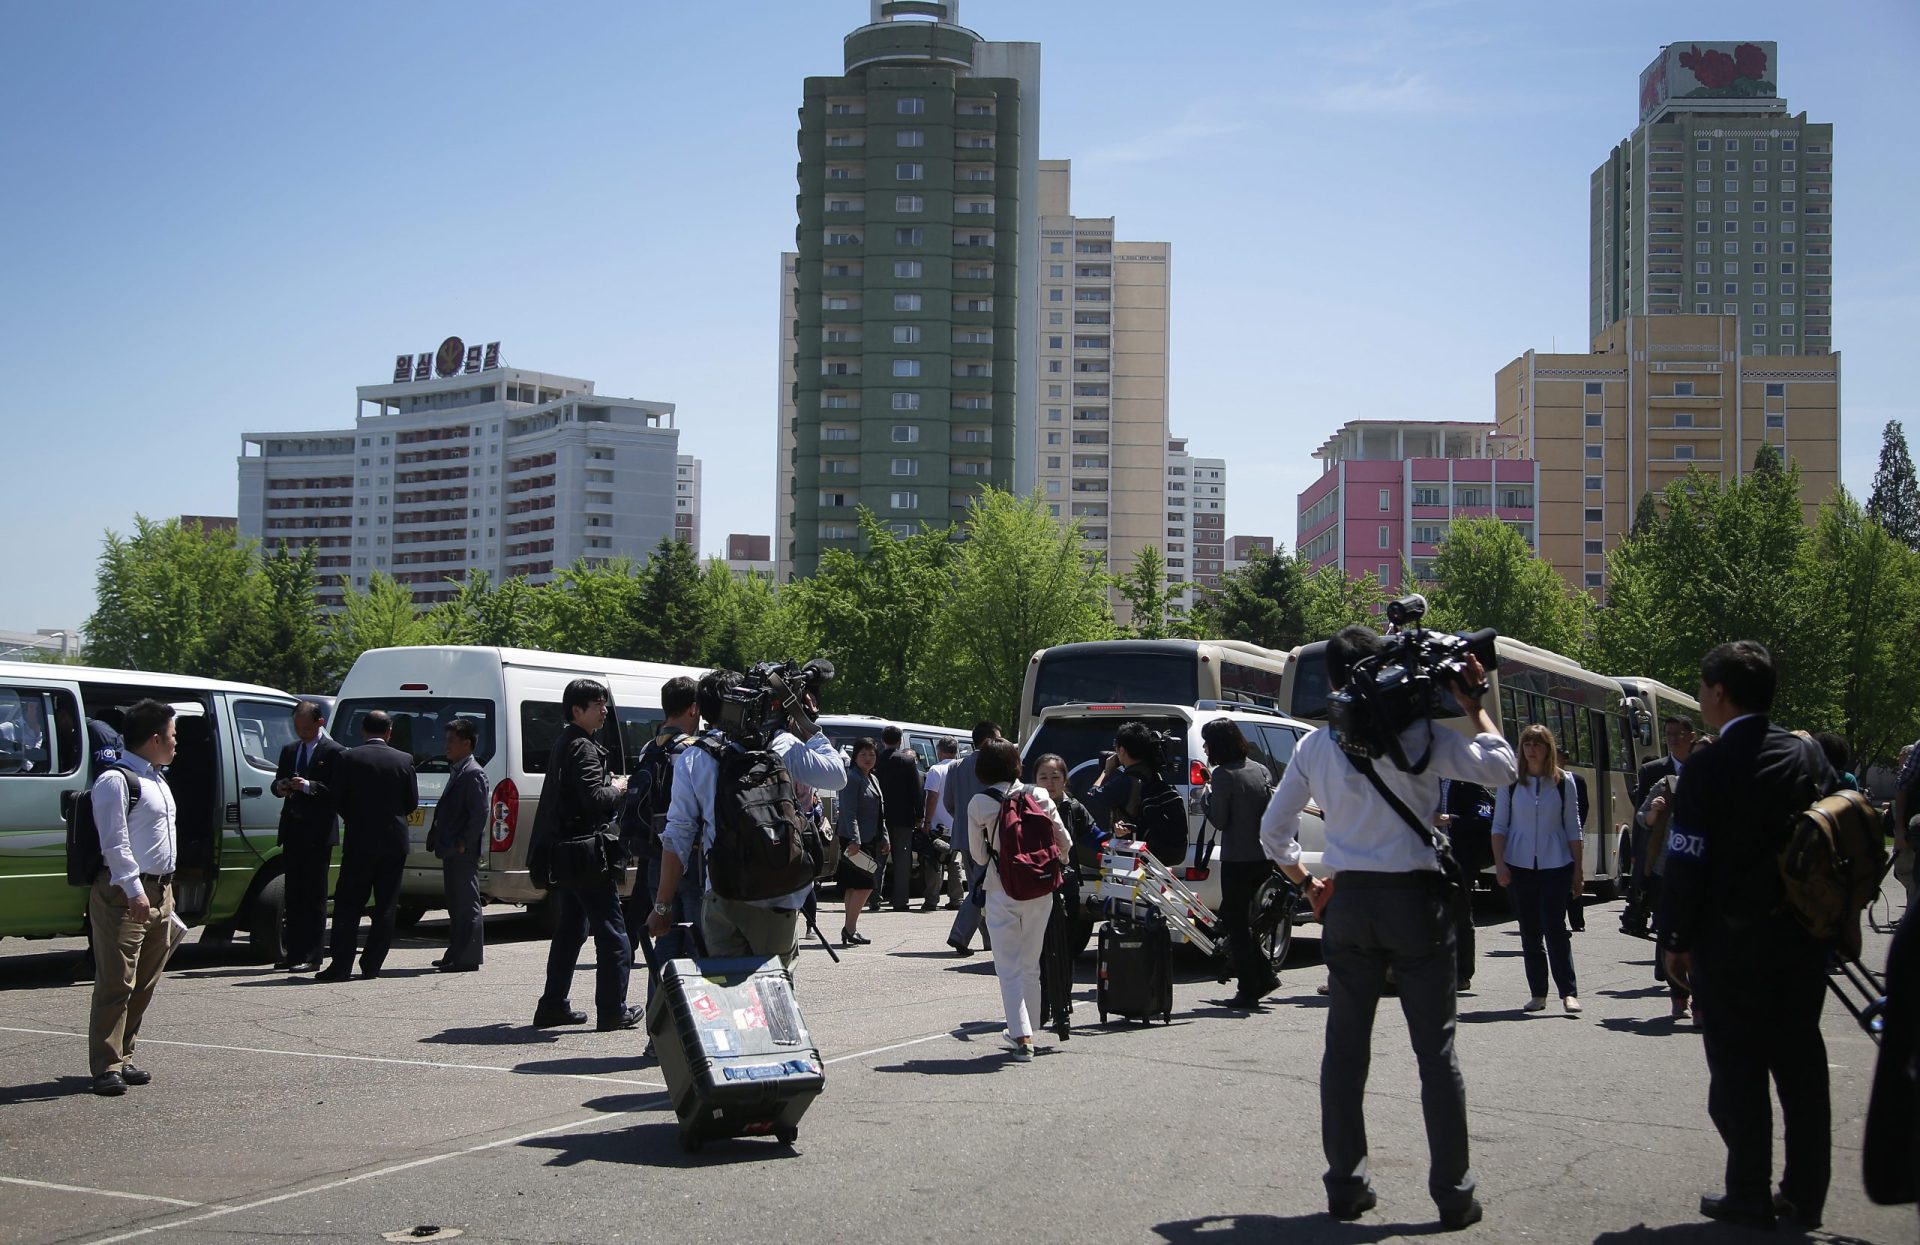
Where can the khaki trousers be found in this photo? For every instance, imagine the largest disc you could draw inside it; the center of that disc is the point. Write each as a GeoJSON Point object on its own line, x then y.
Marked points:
{"type": "Point", "coordinates": [732, 927]}
{"type": "Point", "coordinates": [128, 957]}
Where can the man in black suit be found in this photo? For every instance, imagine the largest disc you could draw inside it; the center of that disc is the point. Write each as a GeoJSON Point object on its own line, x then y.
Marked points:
{"type": "Point", "coordinates": [309, 829]}
{"type": "Point", "coordinates": [458, 837]}
{"type": "Point", "coordinates": [374, 789]}
{"type": "Point", "coordinates": [1679, 739]}
{"type": "Point", "coordinates": [1758, 979]}
{"type": "Point", "coordinates": [901, 801]}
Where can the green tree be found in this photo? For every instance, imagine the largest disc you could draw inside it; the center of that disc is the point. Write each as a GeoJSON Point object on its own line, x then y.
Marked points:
{"type": "Point", "coordinates": [508, 614]}
{"type": "Point", "coordinates": [672, 605]}
{"type": "Point", "coordinates": [382, 616]}
{"type": "Point", "coordinates": [1646, 516]}
{"type": "Point", "coordinates": [1144, 589]}
{"type": "Point", "coordinates": [1264, 603]}
{"type": "Point", "coordinates": [1872, 594]}
{"type": "Point", "coordinates": [596, 610]}
{"type": "Point", "coordinates": [1334, 600]}
{"type": "Point", "coordinates": [1895, 501]}
{"type": "Point", "coordinates": [1020, 583]}
{"type": "Point", "coordinates": [748, 620]}
{"type": "Point", "coordinates": [162, 595]}
{"type": "Point", "coordinates": [274, 635]}
{"type": "Point", "coordinates": [871, 613]}
{"type": "Point", "coordinates": [1486, 575]}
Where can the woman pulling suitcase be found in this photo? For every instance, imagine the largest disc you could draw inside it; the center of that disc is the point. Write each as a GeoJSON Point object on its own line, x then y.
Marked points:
{"type": "Point", "coordinates": [1016, 829]}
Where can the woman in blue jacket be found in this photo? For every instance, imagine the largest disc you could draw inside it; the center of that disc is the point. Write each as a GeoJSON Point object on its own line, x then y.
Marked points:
{"type": "Point", "coordinates": [1537, 846]}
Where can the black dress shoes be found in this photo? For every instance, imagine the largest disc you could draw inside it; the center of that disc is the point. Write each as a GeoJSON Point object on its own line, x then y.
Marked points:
{"type": "Point", "coordinates": [1785, 1209]}
{"type": "Point", "coordinates": [553, 1018]}
{"type": "Point", "coordinates": [1359, 1206]}
{"type": "Point", "coordinates": [339, 972]}
{"type": "Point", "coordinates": [456, 968]}
{"type": "Point", "coordinates": [109, 1085]}
{"type": "Point", "coordinates": [1462, 1216]}
{"type": "Point", "coordinates": [629, 1018]}
{"type": "Point", "coordinates": [282, 965]}
{"type": "Point", "coordinates": [304, 966]}
{"type": "Point", "coordinates": [1744, 1214]}
{"type": "Point", "coordinates": [135, 1076]}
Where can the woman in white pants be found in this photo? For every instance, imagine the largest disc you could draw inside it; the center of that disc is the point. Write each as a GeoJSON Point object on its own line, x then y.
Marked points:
{"type": "Point", "coordinates": [1017, 927]}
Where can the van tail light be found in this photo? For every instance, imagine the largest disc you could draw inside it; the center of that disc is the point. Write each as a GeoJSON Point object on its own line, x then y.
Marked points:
{"type": "Point", "coordinates": [1198, 875]}
{"type": "Point", "coordinates": [1196, 774]}
{"type": "Point", "coordinates": [506, 814]}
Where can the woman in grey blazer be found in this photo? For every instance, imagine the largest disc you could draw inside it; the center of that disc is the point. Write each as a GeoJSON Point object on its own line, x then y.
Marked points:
{"type": "Point", "coordinates": [860, 823]}
{"type": "Point", "coordinates": [1239, 790]}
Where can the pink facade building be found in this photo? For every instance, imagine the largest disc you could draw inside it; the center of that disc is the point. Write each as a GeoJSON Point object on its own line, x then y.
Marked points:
{"type": "Point", "coordinates": [1389, 489]}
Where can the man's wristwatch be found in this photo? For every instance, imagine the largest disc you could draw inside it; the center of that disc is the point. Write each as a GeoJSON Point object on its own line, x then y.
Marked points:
{"type": "Point", "coordinates": [663, 909]}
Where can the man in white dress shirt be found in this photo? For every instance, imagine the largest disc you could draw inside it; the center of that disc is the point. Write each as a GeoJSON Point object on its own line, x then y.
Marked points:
{"type": "Point", "coordinates": [131, 904]}
{"type": "Point", "coordinates": [1389, 910]}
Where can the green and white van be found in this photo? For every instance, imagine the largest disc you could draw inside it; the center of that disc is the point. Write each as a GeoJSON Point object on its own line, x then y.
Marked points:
{"type": "Point", "coordinates": [230, 734]}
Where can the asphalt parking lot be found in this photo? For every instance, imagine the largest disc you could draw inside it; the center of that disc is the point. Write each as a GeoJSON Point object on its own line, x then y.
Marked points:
{"type": "Point", "coordinates": [282, 1109]}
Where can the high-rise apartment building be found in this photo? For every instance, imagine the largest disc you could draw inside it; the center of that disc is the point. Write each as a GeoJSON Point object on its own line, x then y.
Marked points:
{"type": "Point", "coordinates": [686, 502]}
{"type": "Point", "coordinates": [1656, 396]}
{"type": "Point", "coordinates": [1389, 489]}
{"type": "Point", "coordinates": [1101, 361]}
{"type": "Point", "coordinates": [1242, 550]}
{"type": "Point", "coordinates": [1719, 203]}
{"type": "Point", "coordinates": [1193, 527]}
{"type": "Point", "coordinates": [912, 280]}
{"type": "Point", "coordinates": [514, 472]}
{"type": "Point", "coordinates": [748, 554]}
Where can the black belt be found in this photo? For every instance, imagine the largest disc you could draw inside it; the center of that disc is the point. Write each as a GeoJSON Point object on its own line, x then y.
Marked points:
{"type": "Point", "coordinates": [158, 879]}
{"type": "Point", "coordinates": [1348, 879]}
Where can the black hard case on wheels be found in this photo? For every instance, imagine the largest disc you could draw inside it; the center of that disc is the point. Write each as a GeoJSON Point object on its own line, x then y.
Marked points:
{"type": "Point", "coordinates": [1135, 976]}
{"type": "Point", "coordinates": [734, 1049]}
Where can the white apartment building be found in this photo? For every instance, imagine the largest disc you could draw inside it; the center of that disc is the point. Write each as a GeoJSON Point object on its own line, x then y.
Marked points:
{"type": "Point", "coordinates": [686, 502]}
{"type": "Point", "coordinates": [514, 472]}
{"type": "Point", "coordinates": [1195, 530]}
{"type": "Point", "coordinates": [1101, 363]}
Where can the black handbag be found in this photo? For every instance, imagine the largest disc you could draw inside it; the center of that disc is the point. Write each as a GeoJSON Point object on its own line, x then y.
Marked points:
{"type": "Point", "coordinates": [1453, 878]}
{"type": "Point", "coordinates": [586, 859]}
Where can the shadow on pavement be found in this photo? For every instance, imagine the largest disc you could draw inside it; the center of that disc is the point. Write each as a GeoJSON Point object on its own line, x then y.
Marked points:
{"type": "Point", "coordinates": [985, 1062]}
{"type": "Point", "coordinates": [1294, 1229]}
{"type": "Point", "coordinates": [588, 1065]}
{"type": "Point", "coordinates": [45, 1091]}
{"type": "Point", "coordinates": [1705, 1231]}
{"type": "Point", "coordinates": [497, 1035]}
{"type": "Point", "coordinates": [657, 1145]}
{"type": "Point", "coordinates": [1651, 1026]}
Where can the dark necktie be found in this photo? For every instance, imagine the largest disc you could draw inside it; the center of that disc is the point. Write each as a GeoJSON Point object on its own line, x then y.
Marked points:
{"type": "Point", "coordinates": [306, 752]}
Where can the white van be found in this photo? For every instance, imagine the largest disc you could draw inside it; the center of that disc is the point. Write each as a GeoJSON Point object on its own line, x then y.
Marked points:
{"type": "Point", "coordinates": [513, 697]}
{"type": "Point", "coordinates": [230, 735]}
{"type": "Point", "coordinates": [844, 728]}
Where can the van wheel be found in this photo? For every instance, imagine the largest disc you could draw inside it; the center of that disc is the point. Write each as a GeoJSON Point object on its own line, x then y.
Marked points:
{"type": "Point", "coordinates": [408, 915]}
{"type": "Point", "coordinates": [264, 920]}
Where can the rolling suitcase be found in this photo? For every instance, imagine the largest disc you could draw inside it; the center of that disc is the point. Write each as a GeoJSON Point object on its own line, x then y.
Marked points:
{"type": "Point", "coordinates": [734, 1049]}
{"type": "Point", "coordinates": [1135, 975]}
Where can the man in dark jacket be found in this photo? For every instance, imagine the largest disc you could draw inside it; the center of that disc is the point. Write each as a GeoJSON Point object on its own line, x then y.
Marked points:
{"type": "Point", "coordinates": [309, 831]}
{"type": "Point", "coordinates": [580, 798]}
{"type": "Point", "coordinates": [458, 836]}
{"type": "Point", "coordinates": [374, 789]}
{"type": "Point", "coordinates": [901, 799]}
{"type": "Point", "coordinates": [1759, 979]}
{"type": "Point", "coordinates": [1134, 799]}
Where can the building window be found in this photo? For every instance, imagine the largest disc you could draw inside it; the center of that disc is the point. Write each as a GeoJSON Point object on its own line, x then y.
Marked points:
{"type": "Point", "coordinates": [1386, 499]}
{"type": "Point", "coordinates": [1776, 420]}
{"type": "Point", "coordinates": [906, 401]}
{"type": "Point", "coordinates": [1053, 462]}
{"type": "Point", "coordinates": [1593, 484]}
{"type": "Point", "coordinates": [906, 334]}
{"type": "Point", "coordinates": [1593, 419]}
{"type": "Point", "coordinates": [1053, 414]}
{"type": "Point", "coordinates": [1386, 537]}
{"type": "Point", "coordinates": [906, 466]}
{"type": "Point", "coordinates": [1056, 296]}
{"type": "Point", "coordinates": [904, 501]}
{"type": "Point", "coordinates": [909, 237]}
{"type": "Point", "coordinates": [1759, 309]}
{"type": "Point", "coordinates": [1594, 514]}
{"type": "Point", "coordinates": [909, 172]}
{"type": "Point", "coordinates": [1683, 388]}
{"type": "Point", "coordinates": [909, 203]}
{"type": "Point", "coordinates": [1595, 547]}
{"type": "Point", "coordinates": [910, 105]}
{"type": "Point", "coordinates": [1682, 453]}
{"type": "Point", "coordinates": [1776, 390]}
{"type": "Point", "coordinates": [906, 367]}
{"type": "Point", "coordinates": [906, 302]}
{"type": "Point", "coordinates": [1594, 386]}
{"type": "Point", "coordinates": [1595, 579]}
{"type": "Point", "coordinates": [910, 138]}
{"type": "Point", "coordinates": [1056, 248]}
{"type": "Point", "coordinates": [1683, 419]}
{"type": "Point", "coordinates": [1759, 330]}
{"type": "Point", "coordinates": [1427, 497]}
{"type": "Point", "coordinates": [1593, 451]}
{"type": "Point", "coordinates": [906, 268]}
{"type": "Point", "coordinates": [1427, 534]}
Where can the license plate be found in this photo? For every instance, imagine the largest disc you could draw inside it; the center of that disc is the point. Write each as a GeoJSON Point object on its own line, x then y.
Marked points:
{"type": "Point", "coordinates": [418, 817]}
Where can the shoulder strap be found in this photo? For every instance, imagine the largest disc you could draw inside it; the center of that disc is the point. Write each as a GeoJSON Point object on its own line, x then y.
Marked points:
{"type": "Point", "coordinates": [132, 781]}
{"type": "Point", "coordinates": [1365, 766]}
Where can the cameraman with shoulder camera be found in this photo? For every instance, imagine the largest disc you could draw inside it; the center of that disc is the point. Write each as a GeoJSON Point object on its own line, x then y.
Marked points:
{"type": "Point", "coordinates": [739, 926]}
{"type": "Point", "coordinates": [1135, 799]}
{"type": "Point", "coordinates": [1391, 909]}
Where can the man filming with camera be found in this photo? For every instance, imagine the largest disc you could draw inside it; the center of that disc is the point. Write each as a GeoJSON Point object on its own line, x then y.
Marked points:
{"type": "Point", "coordinates": [734, 779]}
{"type": "Point", "coordinates": [1391, 905]}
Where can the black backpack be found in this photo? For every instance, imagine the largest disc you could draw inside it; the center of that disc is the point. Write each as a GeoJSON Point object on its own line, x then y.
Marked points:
{"type": "Point", "coordinates": [643, 815]}
{"type": "Point", "coordinates": [84, 860]}
{"type": "Point", "coordinates": [1160, 818]}
{"type": "Point", "coordinates": [762, 847]}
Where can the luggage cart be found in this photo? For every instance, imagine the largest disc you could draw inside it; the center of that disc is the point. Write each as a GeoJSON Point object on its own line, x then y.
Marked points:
{"type": "Point", "coordinates": [1131, 876]}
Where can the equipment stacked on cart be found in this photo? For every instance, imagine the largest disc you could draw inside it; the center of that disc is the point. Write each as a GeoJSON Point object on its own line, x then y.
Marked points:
{"type": "Point", "coordinates": [1148, 909]}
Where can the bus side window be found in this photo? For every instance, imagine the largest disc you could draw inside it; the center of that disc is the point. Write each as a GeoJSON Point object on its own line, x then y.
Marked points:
{"type": "Point", "coordinates": [1509, 716]}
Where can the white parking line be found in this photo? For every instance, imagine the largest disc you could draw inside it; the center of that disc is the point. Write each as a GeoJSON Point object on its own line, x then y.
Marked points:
{"type": "Point", "coordinates": [92, 1192]}
{"type": "Point", "coordinates": [409, 1165]}
{"type": "Point", "coordinates": [312, 1054]}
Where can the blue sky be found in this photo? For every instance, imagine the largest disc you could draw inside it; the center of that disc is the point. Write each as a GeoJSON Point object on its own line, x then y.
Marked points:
{"type": "Point", "coordinates": [223, 217]}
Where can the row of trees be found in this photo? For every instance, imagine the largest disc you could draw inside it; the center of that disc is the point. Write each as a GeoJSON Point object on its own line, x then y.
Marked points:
{"type": "Point", "coordinates": [939, 626]}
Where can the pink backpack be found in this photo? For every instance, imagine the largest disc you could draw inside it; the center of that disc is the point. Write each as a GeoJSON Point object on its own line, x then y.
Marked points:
{"type": "Point", "coordinates": [1027, 854]}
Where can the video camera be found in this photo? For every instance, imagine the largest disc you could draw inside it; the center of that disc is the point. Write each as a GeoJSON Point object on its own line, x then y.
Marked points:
{"type": "Point", "coordinates": [753, 708]}
{"type": "Point", "coordinates": [1404, 682]}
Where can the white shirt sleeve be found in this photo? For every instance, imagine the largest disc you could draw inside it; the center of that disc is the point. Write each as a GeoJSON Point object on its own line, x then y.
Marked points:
{"type": "Point", "coordinates": [1280, 824]}
{"type": "Point", "coordinates": [1502, 811]}
{"type": "Point", "coordinates": [1570, 812]}
{"type": "Point", "coordinates": [109, 798]}
{"type": "Point", "coordinates": [814, 762]}
{"type": "Point", "coordinates": [982, 811]}
{"type": "Point", "coordinates": [693, 782]}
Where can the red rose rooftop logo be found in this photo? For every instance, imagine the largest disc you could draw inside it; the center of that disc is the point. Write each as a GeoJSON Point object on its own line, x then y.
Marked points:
{"type": "Point", "coordinates": [1744, 73]}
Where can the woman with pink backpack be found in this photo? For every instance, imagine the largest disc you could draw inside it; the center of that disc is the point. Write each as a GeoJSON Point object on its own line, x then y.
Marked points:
{"type": "Point", "coordinates": [1016, 829]}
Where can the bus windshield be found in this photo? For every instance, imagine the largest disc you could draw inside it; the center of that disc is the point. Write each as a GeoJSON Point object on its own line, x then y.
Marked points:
{"type": "Point", "coordinates": [1110, 678]}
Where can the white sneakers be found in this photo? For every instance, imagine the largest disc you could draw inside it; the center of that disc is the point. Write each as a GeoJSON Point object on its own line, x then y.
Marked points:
{"type": "Point", "coordinates": [1022, 1051]}
{"type": "Point", "coordinates": [1536, 1004]}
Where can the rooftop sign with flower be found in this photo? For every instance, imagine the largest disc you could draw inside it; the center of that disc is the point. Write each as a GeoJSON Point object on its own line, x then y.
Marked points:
{"type": "Point", "coordinates": [1730, 72]}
